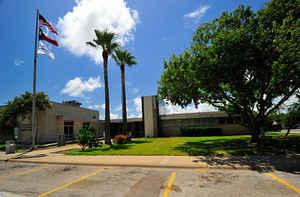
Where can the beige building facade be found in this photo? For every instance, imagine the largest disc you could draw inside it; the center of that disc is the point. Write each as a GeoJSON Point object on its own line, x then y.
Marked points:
{"type": "Point", "coordinates": [171, 124]}
{"type": "Point", "coordinates": [154, 124]}
{"type": "Point", "coordinates": [62, 119]}
{"type": "Point", "coordinates": [67, 118]}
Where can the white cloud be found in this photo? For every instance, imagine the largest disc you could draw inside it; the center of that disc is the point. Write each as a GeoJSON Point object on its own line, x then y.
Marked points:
{"type": "Point", "coordinates": [131, 116]}
{"type": "Point", "coordinates": [136, 111]}
{"type": "Point", "coordinates": [134, 90]}
{"type": "Point", "coordinates": [18, 62]}
{"type": "Point", "coordinates": [77, 26]}
{"type": "Point", "coordinates": [76, 86]}
{"type": "Point", "coordinates": [168, 108]}
{"type": "Point", "coordinates": [197, 14]}
{"type": "Point", "coordinates": [102, 114]}
{"type": "Point", "coordinates": [118, 108]}
{"type": "Point", "coordinates": [97, 106]}
{"type": "Point", "coordinates": [114, 116]}
{"type": "Point", "coordinates": [138, 106]}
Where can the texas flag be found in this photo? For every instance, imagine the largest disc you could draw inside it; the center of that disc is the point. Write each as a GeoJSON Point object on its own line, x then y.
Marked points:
{"type": "Point", "coordinates": [42, 36]}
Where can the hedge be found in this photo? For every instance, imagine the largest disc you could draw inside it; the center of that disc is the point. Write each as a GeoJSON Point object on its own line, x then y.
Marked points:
{"type": "Point", "coordinates": [196, 131]}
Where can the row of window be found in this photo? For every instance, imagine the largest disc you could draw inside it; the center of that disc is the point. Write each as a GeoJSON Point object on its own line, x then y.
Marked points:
{"type": "Point", "coordinates": [228, 120]}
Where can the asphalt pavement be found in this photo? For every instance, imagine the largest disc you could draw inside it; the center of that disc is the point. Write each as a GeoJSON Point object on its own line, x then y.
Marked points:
{"type": "Point", "coordinates": [25, 179]}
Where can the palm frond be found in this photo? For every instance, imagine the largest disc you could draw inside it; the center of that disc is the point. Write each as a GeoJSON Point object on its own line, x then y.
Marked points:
{"type": "Point", "coordinates": [124, 57]}
{"type": "Point", "coordinates": [106, 39]}
{"type": "Point", "coordinates": [91, 44]}
{"type": "Point", "coordinates": [115, 57]}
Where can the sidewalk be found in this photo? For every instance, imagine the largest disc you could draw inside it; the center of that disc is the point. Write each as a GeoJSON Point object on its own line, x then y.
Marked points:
{"type": "Point", "coordinates": [52, 156]}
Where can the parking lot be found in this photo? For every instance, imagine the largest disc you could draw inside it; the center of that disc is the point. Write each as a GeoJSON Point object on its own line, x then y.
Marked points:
{"type": "Point", "coordinates": [24, 179]}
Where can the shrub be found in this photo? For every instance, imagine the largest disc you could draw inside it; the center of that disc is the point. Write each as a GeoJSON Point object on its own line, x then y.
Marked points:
{"type": "Point", "coordinates": [121, 139]}
{"type": "Point", "coordinates": [87, 138]}
{"type": "Point", "coordinates": [201, 131]}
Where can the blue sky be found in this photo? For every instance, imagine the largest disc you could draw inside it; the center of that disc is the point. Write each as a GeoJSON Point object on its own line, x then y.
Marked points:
{"type": "Point", "coordinates": [151, 30]}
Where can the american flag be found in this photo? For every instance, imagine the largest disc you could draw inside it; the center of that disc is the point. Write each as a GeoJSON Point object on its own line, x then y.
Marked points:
{"type": "Point", "coordinates": [43, 22]}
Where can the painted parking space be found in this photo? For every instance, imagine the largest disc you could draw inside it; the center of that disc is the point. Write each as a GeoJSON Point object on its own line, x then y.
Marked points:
{"type": "Point", "coordinates": [44, 180]}
{"type": "Point", "coordinates": [21, 172]}
{"type": "Point", "coordinates": [68, 180]}
{"type": "Point", "coordinates": [8, 169]}
{"type": "Point", "coordinates": [290, 180]}
{"type": "Point", "coordinates": [70, 183]}
{"type": "Point", "coordinates": [227, 183]}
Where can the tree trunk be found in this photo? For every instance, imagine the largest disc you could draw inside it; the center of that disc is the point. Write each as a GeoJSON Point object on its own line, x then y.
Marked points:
{"type": "Point", "coordinates": [255, 136]}
{"type": "Point", "coordinates": [107, 111]}
{"type": "Point", "coordinates": [124, 110]}
{"type": "Point", "coordinates": [288, 132]}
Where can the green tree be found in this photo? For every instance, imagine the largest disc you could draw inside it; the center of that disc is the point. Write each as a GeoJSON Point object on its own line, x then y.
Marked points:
{"type": "Point", "coordinates": [122, 58]}
{"type": "Point", "coordinates": [105, 40]}
{"type": "Point", "coordinates": [242, 62]}
{"type": "Point", "coordinates": [87, 138]}
{"type": "Point", "coordinates": [20, 106]}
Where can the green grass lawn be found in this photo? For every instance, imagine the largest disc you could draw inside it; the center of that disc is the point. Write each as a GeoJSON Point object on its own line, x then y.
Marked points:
{"type": "Point", "coordinates": [219, 145]}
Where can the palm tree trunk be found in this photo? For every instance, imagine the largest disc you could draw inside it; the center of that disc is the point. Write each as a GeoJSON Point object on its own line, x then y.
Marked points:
{"type": "Point", "coordinates": [124, 111]}
{"type": "Point", "coordinates": [107, 111]}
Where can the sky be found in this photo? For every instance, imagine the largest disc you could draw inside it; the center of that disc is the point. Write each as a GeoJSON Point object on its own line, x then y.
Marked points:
{"type": "Point", "coordinates": [150, 30]}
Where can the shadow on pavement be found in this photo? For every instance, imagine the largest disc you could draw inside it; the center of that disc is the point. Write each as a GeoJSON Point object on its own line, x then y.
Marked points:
{"type": "Point", "coordinates": [278, 153]}
{"type": "Point", "coordinates": [31, 156]}
{"type": "Point", "coordinates": [289, 164]}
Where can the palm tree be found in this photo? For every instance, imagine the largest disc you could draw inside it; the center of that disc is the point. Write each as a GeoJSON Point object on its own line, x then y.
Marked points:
{"type": "Point", "coordinates": [122, 58]}
{"type": "Point", "coordinates": [106, 40]}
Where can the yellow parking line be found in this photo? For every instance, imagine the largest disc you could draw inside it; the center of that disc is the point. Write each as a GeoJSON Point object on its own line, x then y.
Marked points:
{"type": "Point", "coordinates": [23, 172]}
{"type": "Point", "coordinates": [284, 182]}
{"type": "Point", "coordinates": [170, 184]}
{"type": "Point", "coordinates": [71, 183]}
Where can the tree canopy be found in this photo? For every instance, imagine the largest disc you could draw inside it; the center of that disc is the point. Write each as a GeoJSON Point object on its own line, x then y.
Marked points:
{"type": "Point", "coordinates": [20, 106]}
{"type": "Point", "coordinates": [243, 62]}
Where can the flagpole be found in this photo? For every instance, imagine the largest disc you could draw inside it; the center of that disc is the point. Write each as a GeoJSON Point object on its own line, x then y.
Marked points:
{"type": "Point", "coordinates": [34, 81]}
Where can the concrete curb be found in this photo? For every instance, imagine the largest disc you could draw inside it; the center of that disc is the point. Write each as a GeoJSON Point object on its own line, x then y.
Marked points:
{"type": "Point", "coordinates": [137, 165]}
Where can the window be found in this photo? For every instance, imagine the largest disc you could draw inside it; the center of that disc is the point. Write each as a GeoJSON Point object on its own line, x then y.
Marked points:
{"type": "Point", "coordinates": [85, 124]}
{"type": "Point", "coordinates": [221, 120]}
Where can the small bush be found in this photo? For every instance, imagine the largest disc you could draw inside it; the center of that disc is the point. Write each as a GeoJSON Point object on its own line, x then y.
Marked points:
{"type": "Point", "coordinates": [201, 131]}
{"type": "Point", "coordinates": [87, 138]}
{"type": "Point", "coordinates": [121, 139]}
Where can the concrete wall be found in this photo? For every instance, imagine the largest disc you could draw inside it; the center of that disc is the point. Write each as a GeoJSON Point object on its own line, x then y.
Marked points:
{"type": "Point", "coordinates": [150, 116]}
{"type": "Point", "coordinates": [170, 125]}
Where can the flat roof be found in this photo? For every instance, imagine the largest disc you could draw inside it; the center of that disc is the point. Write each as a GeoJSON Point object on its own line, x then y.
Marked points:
{"type": "Point", "coordinates": [66, 104]}
{"type": "Point", "coordinates": [193, 115]}
{"type": "Point", "coordinates": [128, 120]}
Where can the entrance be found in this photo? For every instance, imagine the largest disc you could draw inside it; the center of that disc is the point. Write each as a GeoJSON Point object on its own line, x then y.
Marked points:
{"type": "Point", "coordinates": [69, 129]}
